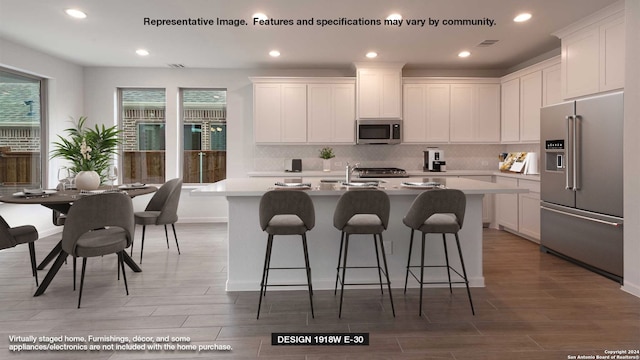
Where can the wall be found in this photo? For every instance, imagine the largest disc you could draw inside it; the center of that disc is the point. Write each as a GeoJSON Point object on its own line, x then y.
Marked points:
{"type": "Point", "coordinates": [632, 149]}
{"type": "Point", "coordinates": [64, 87]}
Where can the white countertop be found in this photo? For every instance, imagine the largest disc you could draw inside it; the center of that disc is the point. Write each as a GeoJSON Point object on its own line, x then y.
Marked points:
{"type": "Point", "coordinates": [257, 186]}
{"type": "Point", "coordinates": [412, 173]}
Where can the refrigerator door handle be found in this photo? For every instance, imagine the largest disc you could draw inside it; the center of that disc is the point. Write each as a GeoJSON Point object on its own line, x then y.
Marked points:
{"type": "Point", "coordinates": [567, 185]}
{"type": "Point", "coordinates": [576, 147]}
{"type": "Point", "coordinates": [611, 223]}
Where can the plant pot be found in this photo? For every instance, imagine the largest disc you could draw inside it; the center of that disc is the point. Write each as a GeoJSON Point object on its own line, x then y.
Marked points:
{"type": "Point", "coordinates": [87, 180]}
{"type": "Point", "coordinates": [326, 164]}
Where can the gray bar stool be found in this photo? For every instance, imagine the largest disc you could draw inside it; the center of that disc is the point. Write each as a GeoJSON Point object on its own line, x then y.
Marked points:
{"type": "Point", "coordinates": [285, 212]}
{"type": "Point", "coordinates": [437, 211]}
{"type": "Point", "coordinates": [362, 212]}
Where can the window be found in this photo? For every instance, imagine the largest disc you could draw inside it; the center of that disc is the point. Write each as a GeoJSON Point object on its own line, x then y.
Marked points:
{"type": "Point", "coordinates": [204, 119]}
{"type": "Point", "coordinates": [142, 117]}
{"type": "Point", "coordinates": [21, 140]}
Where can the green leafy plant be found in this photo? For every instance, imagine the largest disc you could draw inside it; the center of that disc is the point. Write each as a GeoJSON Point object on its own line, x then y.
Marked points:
{"type": "Point", "coordinates": [327, 153]}
{"type": "Point", "coordinates": [88, 148]}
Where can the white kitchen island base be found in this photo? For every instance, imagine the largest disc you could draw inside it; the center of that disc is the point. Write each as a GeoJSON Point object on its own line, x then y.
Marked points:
{"type": "Point", "coordinates": [247, 242]}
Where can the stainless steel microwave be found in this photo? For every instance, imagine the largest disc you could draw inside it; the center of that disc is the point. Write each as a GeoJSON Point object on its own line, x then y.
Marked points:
{"type": "Point", "coordinates": [379, 131]}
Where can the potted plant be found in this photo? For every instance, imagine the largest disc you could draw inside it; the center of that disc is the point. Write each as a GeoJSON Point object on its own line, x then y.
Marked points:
{"type": "Point", "coordinates": [89, 150]}
{"type": "Point", "coordinates": [326, 154]}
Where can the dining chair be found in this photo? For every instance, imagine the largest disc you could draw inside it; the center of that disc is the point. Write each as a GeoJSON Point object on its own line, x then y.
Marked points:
{"type": "Point", "coordinates": [286, 212]}
{"type": "Point", "coordinates": [99, 225]}
{"type": "Point", "coordinates": [13, 236]}
{"type": "Point", "coordinates": [441, 212]}
{"type": "Point", "coordinates": [162, 209]}
{"type": "Point", "coordinates": [362, 212]}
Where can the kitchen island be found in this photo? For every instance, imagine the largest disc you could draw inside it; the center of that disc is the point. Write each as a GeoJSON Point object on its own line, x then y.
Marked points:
{"type": "Point", "coordinates": [247, 242]}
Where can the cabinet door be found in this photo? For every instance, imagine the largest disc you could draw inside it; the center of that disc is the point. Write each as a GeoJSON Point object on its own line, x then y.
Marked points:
{"type": "Point", "coordinates": [551, 88]}
{"type": "Point", "coordinates": [487, 106]}
{"type": "Point", "coordinates": [379, 93]}
{"type": "Point", "coordinates": [510, 111]}
{"type": "Point", "coordinates": [391, 100]}
{"type": "Point", "coordinates": [343, 106]}
{"type": "Point", "coordinates": [294, 113]}
{"type": "Point", "coordinates": [369, 94]}
{"type": "Point", "coordinates": [438, 112]}
{"type": "Point", "coordinates": [529, 215]}
{"type": "Point", "coordinates": [612, 45]}
{"type": "Point", "coordinates": [530, 103]}
{"type": "Point", "coordinates": [462, 113]}
{"type": "Point", "coordinates": [414, 122]}
{"type": "Point", "coordinates": [580, 63]}
{"type": "Point", "coordinates": [507, 205]}
{"type": "Point", "coordinates": [266, 113]}
{"type": "Point", "coordinates": [319, 113]}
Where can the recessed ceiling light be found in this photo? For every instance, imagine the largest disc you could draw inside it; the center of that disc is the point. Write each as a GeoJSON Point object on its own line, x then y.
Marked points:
{"type": "Point", "coordinates": [75, 13]}
{"type": "Point", "coordinates": [274, 53]}
{"type": "Point", "coordinates": [142, 52]}
{"type": "Point", "coordinates": [395, 16]}
{"type": "Point", "coordinates": [371, 54]}
{"type": "Point", "coordinates": [259, 16]}
{"type": "Point", "coordinates": [464, 54]}
{"type": "Point", "coordinates": [522, 17]}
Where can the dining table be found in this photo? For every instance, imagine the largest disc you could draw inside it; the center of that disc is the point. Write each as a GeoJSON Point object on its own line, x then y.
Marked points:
{"type": "Point", "coordinates": [61, 201]}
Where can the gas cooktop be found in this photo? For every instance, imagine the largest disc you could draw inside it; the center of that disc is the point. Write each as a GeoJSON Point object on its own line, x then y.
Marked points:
{"type": "Point", "coordinates": [381, 172]}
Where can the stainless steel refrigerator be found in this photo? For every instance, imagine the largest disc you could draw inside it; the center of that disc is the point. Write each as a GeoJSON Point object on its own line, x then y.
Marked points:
{"type": "Point", "coordinates": [581, 214]}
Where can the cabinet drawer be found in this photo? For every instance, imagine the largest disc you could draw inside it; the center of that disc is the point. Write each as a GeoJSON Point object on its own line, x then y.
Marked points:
{"type": "Point", "coordinates": [533, 186]}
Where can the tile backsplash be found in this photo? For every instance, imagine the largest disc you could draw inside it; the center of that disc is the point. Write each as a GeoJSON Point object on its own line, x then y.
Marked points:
{"type": "Point", "coordinates": [408, 157]}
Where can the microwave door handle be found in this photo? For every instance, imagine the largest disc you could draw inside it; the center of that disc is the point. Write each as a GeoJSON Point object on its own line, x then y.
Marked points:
{"type": "Point", "coordinates": [567, 185]}
{"type": "Point", "coordinates": [576, 152]}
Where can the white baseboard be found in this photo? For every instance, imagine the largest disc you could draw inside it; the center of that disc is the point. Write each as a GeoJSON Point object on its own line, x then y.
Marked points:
{"type": "Point", "coordinates": [633, 289]}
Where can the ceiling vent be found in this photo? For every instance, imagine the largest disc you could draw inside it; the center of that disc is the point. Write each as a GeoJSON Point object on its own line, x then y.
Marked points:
{"type": "Point", "coordinates": [176, 66]}
{"type": "Point", "coordinates": [487, 43]}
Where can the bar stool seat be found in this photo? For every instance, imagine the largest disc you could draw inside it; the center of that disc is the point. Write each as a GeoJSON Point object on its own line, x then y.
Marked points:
{"type": "Point", "coordinates": [362, 212]}
{"type": "Point", "coordinates": [285, 212]}
{"type": "Point", "coordinates": [437, 211]}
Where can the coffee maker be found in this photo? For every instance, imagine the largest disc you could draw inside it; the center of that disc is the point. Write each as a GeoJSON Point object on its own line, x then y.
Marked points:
{"type": "Point", "coordinates": [434, 160]}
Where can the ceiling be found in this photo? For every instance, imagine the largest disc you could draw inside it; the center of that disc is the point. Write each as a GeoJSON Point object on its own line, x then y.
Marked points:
{"type": "Point", "coordinates": [114, 29]}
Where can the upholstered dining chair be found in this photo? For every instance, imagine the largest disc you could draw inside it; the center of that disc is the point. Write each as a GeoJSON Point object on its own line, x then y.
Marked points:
{"type": "Point", "coordinates": [26, 234]}
{"type": "Point", "coordinates": [98, 225]}
{"type": "Point", "coordinates": [162, 209]}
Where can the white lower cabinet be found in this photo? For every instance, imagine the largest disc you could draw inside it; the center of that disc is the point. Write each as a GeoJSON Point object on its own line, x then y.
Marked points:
{"type": "Point", "coordinates": [487, 200]}
{"type": "Point", "coordinates": [519, 213]}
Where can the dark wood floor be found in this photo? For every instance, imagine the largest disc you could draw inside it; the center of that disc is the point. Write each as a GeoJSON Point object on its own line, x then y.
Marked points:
{"type": "Point", "coordinates": [534, 306]}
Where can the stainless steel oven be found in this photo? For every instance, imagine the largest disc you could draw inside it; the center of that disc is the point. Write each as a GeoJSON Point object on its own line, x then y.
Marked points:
{"type": "Point", "coordinates": [378, 131]}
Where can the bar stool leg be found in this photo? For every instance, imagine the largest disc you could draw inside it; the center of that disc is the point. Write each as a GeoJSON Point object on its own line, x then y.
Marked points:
{"type": "Point", "coordinates": [266, 277]}
{"type": "Point", "coordinates": [421, 273]}
{"type": "Point", "coordinates": [386, 273]}
{"type": "Point", "coordinates": [263, 283]}
{"type": "Point", "coordinates": [308, 268]}
{"type": "Point", "coordinates": [335, 289]}
{"type": "Point", "coordinates": [344, 271]}
{"type": "Point", "coordinates": [375, 243]}
{"type": "Point", "coordinates": [464, 272]}
{"type": "Point", "coordinates": [406, 276]}
{"type": "Point", "coordinates": [446, 257]}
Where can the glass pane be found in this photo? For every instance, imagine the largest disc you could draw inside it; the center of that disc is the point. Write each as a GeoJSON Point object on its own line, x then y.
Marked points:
{"type": "Point", "coordinates": [143, 123]}
{"type": "Point", "coordinates": [204, 118]}
{"type": "Point", "coordinates": [20, 125]}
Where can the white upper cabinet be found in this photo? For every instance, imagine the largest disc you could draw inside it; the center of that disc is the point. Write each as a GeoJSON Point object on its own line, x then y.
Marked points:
{"type": "Point", "coordinates": [426, 113]}
{"type": "Point", "coordinates": [280, 112]}
{"type": "Point", "coordinates": [551, 88]}
{"type": "Point", "coordinates": [510, 110]}
{"type": "Point", "coordinates": [524, 92]}
{"type": "Point", "coordinates": [331, 113]}
{"type": "Point", "coordinates": [379, 91]}
{"type": "Point", "coordinates": [475, 113]}
{"type": "Point", "coordinates": [530, 103]}
{"type": "Point", "coordinates": [593, 53]}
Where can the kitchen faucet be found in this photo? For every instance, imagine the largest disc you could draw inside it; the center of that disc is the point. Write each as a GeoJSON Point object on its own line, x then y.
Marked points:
{"type": "Point", "coordinates": [349, 170]}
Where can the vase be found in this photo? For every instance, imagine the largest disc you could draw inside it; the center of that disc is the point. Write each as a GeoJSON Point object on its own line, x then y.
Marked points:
{"type": "Point", "coordinates": [87, 180]}
{"type": "Point", "coordinates": [326, 164]}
